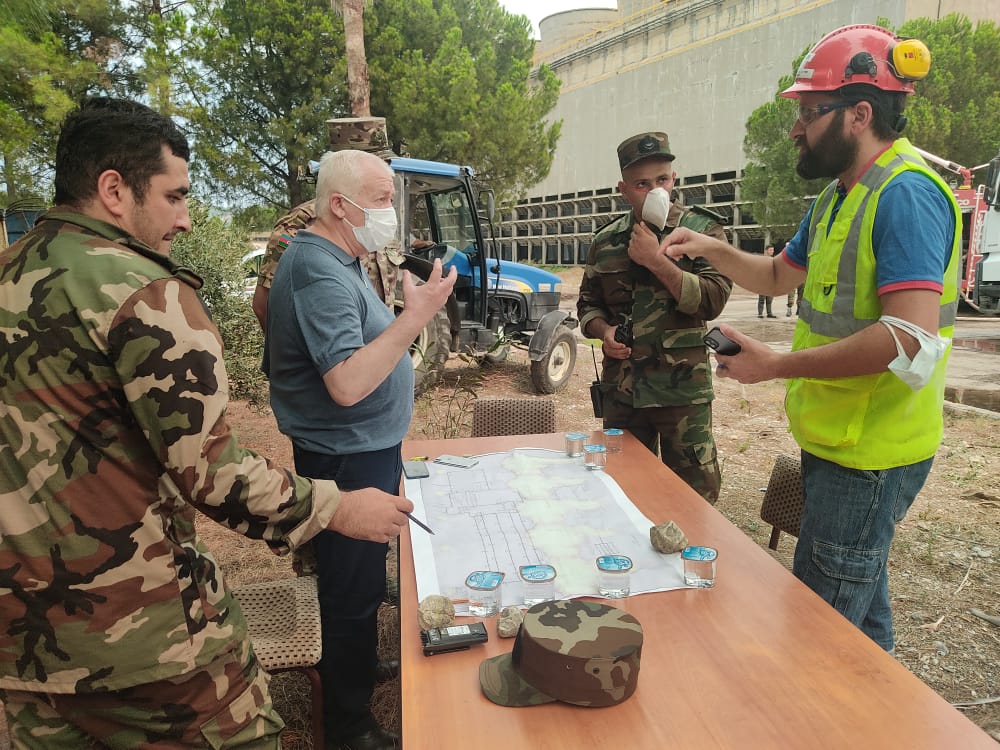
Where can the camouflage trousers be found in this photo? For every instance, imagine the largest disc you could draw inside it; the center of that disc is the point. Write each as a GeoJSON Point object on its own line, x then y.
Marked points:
{"type": "Point", "coordinates": [225, 705]}
{"type": "Point", "coordinates": [680, 435]}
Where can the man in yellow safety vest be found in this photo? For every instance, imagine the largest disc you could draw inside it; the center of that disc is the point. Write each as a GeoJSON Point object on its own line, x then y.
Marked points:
{"type": "Point", "coordinates": [878, 253]}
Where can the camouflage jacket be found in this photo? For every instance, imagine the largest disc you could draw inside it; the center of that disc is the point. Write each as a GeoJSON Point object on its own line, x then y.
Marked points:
{"type": "Point", "coordinates": [382, 267]}
{"type": "Point", "coordinates": [112, 432]}
{"type": "Point", "coordinates": [669, 364]}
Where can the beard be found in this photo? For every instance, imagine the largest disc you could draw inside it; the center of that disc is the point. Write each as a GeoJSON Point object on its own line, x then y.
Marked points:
{"type": "Point", "coordinates": [144, 228]}
{"type": "Point", "coordinates": [832, 155]}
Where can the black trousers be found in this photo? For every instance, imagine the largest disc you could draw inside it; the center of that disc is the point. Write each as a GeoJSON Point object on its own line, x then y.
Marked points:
{"type": "Point", "coordinates": [351, 582]}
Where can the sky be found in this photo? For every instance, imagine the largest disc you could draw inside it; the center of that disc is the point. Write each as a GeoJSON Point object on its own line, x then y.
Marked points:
{"type": "Point", "coordinates": [536, 10]}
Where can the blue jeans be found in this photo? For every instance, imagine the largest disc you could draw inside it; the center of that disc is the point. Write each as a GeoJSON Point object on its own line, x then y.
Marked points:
{"type": "Point", "coordinates": [848, 523]}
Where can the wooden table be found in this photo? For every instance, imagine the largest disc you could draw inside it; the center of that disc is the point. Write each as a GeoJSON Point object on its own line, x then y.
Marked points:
{"type": "Point", "coordinates": [759, 661]}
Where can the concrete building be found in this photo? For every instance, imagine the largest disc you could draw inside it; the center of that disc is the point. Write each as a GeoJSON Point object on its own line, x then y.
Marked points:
{"type": "Point", "coordinates": [693, 68]}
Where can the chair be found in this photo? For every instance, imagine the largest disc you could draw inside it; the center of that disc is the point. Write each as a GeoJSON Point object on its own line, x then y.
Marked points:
{"type": "Point", "coordinates": [513, 416]}
{"type": "Point", "coordinates": [284, 623]}
{"type": "Point", "coordinates": [783, 499]}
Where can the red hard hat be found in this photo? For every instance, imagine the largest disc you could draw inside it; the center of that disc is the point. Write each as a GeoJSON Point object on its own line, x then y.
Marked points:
{"type": "Point", "coordinates": [861, 54]}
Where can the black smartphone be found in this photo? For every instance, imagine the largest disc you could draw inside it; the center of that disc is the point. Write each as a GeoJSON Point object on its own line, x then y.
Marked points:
{"type": "Point", "coordinates": [415, 470]}
{"type": "Point", "coordinates": [718, 342]}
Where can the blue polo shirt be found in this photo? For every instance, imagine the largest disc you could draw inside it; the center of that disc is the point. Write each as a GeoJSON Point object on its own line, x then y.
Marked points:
{"type": "Point", "coordinates": [911, 251]}
{"type": "Point", "coordinates": [321, 309]}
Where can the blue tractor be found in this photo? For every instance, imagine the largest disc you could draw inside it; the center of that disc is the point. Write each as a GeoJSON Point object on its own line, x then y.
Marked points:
{"type": "Point", "coordinates": [496, 303]}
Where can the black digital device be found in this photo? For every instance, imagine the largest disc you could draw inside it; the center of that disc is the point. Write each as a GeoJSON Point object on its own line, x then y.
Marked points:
{"type": "Point", "coordinates": [718, 342]}
{"type": "Point", "coordinates": [597, 398]}
{"type": "Point", "coordinates": [453, 638]}
{"type": "Point", "coordinates": [415, 470]}
{"type": "Point", "coordinates": [623, 333]}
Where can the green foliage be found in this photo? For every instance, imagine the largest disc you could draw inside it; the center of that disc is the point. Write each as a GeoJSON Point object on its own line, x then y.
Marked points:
{"type": "Point", "coordinates": [46, 65]}
{"type": "Point", "coordinates": [259, 80]}
{"type": "Point", "coordinates": [955, 114]}
{"type": "Point", "coordinates": [770, 184]}
{"type": "Point", "coordinates": [447, 408]}
{"type": "Point", "coordinates": [213, 250]}
{"type": "Point", "coordinates": [451, 77]}
{"type": "Point", "coordinates": [255, 82]}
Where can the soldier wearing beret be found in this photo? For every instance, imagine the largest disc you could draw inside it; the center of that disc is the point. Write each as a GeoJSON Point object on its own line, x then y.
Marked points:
{"type": "Point", "coordinates": [656, 380]}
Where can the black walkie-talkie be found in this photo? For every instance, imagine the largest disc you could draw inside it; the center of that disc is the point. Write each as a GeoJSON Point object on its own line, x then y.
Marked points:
{"type": "Point", "coordinates": [596, 395]}
{"type": "Point", "coordinates": [452, 638]}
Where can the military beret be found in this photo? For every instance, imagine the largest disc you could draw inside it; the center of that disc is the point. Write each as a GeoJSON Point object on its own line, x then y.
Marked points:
{"type": "Point", "coordinates": [643, 146]}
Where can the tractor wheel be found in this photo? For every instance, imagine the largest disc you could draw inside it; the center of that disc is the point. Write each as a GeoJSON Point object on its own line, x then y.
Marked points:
{"type": "Point", "coordinates": [498, 356]}
{"type": "Point", "coordinates": [551, 373]}
{"type": "Point", "coordinates": [429, 352]}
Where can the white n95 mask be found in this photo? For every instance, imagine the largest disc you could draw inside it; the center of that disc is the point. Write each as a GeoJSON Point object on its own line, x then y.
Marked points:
{"type": "Point", "coordinates": [915, 372]}
{"type": "Point", "coordinates": [656, 207]}
{"type": "Point", "coordinates": [380, 227]}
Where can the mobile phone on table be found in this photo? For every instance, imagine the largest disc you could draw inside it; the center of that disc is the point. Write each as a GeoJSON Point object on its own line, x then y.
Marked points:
{"type": "Point", "coordinates": [415, 470]}
{"type": "Point", "coordinates": [462, 462]}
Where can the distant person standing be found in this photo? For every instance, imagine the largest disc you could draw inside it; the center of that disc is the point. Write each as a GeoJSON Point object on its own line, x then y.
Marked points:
{"type": "Point", "coordinates": [650, 311]}
{"type": "Point", "coordinates": [763, 300]}
{"type": "Point", "coordinates": [794, 299]}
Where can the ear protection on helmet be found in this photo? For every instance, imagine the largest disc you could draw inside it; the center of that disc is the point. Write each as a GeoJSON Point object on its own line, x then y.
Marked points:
{"type": "Point", "coordinates": [910, 60]}
{"type": "Point", "coordinates": [861, 54]}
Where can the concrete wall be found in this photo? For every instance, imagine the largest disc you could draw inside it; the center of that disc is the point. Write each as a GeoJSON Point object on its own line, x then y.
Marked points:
{"type": "Point", "coordinates": [694, 68]}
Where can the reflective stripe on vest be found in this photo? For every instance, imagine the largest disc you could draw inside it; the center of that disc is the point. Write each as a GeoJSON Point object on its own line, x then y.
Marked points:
{"type": "Point", "coordinates": [870, 421]}
{"type": "Point", "coordinates": [841, 322]}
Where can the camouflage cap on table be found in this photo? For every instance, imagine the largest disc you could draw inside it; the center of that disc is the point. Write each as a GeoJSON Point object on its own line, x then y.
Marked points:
{"type": "Point", "coordinates": [580, 652]}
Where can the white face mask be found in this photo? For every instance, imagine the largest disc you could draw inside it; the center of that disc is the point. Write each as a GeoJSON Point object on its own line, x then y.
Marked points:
{"type": "Point", "coordinates": [656, 207]}
{"type": "Point", "coordinates": [917, 372]}
{"type": "Point", "coordinates": [380, 227]}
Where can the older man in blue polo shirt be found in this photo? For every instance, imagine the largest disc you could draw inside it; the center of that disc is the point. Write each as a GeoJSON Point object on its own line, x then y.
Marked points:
{"type": "Point", "coordinates": [342, 390]}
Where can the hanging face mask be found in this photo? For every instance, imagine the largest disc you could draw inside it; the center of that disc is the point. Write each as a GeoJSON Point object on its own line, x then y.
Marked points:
{"type": "Point", "coordinates": [917, 372]}
{"type": "Point", "coordinates": [380, 227]}
{"type": "Point", "coordinates": [656, 207]}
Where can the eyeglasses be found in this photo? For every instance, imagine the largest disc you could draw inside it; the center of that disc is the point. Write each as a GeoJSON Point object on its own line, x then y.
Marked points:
{"type": "Point", "coordinates": [809, 115]}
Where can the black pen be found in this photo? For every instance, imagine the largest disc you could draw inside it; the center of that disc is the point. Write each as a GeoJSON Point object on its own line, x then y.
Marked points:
{"type": "Point", "coordinates": [419, 523]}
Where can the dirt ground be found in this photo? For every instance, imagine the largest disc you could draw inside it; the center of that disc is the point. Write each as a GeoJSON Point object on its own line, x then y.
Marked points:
{"type": "Point", "coordinates": [945, 560]}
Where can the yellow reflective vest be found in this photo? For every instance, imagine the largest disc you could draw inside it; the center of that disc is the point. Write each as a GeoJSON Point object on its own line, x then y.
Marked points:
{"type": "Point", "coordinates": [867, 421]}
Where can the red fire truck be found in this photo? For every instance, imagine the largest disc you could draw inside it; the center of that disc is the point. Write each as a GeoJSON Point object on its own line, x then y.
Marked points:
{"type": "Point", "coordinates": [980, 205]}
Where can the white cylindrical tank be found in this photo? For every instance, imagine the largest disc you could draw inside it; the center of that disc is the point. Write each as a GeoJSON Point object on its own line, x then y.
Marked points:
{"type": "Point", "coordinates": [561, 29]}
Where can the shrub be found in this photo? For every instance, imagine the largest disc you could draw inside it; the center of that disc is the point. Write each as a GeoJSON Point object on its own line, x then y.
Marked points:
{"type": "Point", "coordinates": [213, 250]}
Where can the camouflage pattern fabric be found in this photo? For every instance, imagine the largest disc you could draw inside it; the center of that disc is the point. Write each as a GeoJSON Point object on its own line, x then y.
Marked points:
{"type": "Point", "coordinates": [112, 433]}
{"type": "Point", "coordinates": [362, 133]}
{"type": "Point", "coordinates": [225, 705]}
{"type": "Point", "coordinates": [575, 651]}
{"type": "Point", "coordinates": [643, 146]}
{"type": "Point", "coordinates": [382, 267]}
{"type": "Point", "coordinates": [670, 365]}
{"type": "Point", "coordinates": [683, 435]}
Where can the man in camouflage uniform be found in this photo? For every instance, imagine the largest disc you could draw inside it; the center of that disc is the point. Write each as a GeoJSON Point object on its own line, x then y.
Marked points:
{"type": "Point", "coordinates": [382, 267]}
{"type": "Point", "coordinates": [658, 384]}
{"type": "Point", "coordinates": [115, 622]}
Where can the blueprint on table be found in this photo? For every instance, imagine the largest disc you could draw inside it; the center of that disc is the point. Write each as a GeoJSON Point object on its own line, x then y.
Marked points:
{"type": "Point", "coordinates": [529, 505]}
